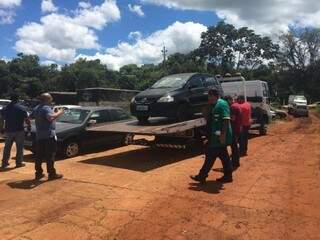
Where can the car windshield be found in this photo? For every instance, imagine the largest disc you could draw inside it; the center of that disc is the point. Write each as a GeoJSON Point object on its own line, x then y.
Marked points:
{"type": "Point", "coordinates": [74, 116]}
{"type": "Point", "coordinates": [175, 81]}
{"type": "Point", "coordinates": [301, 98]}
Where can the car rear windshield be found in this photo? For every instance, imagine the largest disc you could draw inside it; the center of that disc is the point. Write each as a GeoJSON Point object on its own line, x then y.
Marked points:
{"type": "Point", "coordinates": [74, 116]}
{"type": "Point", "coordinates": [175, 81]}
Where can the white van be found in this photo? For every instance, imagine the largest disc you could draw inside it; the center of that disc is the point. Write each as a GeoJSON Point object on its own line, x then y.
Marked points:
{"type": "Point", "coordinates": [257, 93]}
{"type": "Point", "coordinates": [296, 100]}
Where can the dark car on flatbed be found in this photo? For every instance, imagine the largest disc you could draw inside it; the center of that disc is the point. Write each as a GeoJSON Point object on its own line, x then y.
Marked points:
{"type": "Point", "coordinates": [177, 96]}
{"type": "Point", "coordinates": [72, 130]}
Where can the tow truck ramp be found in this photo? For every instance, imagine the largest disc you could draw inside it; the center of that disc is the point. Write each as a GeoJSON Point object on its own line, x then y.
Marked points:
{"type": "Point", "coordinates": [167, 134]}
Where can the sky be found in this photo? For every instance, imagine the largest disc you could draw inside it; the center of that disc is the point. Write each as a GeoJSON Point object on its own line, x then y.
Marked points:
{"type": "Point", "coordinates": [120, 32]}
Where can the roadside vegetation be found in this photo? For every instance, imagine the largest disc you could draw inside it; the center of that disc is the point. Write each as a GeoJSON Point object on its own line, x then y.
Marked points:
{"type": "Point", "coordinates": [293, 68]}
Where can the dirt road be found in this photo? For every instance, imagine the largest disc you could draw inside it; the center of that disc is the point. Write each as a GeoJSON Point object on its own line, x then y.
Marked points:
{"type": "Point", "coordinates": [138, 193]}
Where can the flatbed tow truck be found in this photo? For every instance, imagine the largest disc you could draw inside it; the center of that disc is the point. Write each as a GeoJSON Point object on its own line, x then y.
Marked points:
{"type": "Point", "coordinates": [165, 133]}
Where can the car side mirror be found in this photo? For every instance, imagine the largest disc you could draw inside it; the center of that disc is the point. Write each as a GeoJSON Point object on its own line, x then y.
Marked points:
{"type": "Point", "coordinates": [91, 122]}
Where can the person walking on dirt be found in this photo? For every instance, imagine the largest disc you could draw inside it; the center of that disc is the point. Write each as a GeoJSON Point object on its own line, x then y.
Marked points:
{"type": "Point", "coordinates": [246, 125]}
{"type": "Point", "coordinates": [236, 124]}
{"type": "Point", "coordinates": [220, 137]}
{"type": "Point", "coordinates": [14, 116]}
{"type": "Point", "coordinates": [46, 139]}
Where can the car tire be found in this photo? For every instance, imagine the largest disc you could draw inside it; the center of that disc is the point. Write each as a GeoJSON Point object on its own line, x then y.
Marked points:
{"type": "Point", "coordinates": [263, 127]}
{"type": "Point", "coordinates": [128, 139]}
{"type": "Point", "coordinates": [143, 119]}
{"type": "Point", "coordinates": [71, 148]}
{"type": "Point", "coordinates": [183, 113]}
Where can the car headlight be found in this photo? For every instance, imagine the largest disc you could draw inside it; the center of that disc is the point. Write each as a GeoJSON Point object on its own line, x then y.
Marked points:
{"type": "Point", "coordinates": [166, 99]}
{"type": "Point", "coordinates": [133, 100]}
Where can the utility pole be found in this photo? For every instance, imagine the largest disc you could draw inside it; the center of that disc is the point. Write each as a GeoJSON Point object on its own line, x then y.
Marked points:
{"type": "Point", "coordinates": [164, 54]}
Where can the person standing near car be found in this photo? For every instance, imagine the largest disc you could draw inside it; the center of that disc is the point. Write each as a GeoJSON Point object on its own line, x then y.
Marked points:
{"type": "Point", "coordinates": [246, 125]}
{"type": "Point", "coordinates": [46, 139]}
{"type": "Point", "coordinates": [236, 124]}
{"type": "Point", "coordinates": [220, 137]}
{"type": "Point", "coordinates": [14, 116]}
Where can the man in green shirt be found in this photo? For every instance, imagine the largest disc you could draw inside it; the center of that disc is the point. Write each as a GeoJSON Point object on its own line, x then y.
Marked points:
{"type": "Point", "coordinates": [220, 136]}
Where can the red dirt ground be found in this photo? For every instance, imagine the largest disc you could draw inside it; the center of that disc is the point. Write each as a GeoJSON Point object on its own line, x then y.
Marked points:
{"type": "Point", "coordinates": [140, 193]}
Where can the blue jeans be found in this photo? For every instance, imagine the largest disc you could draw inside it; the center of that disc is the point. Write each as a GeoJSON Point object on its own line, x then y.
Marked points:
{"type": "Point", "coordinates": [10, 138]}
{"type": "Point", "coordinates": [211, 155]}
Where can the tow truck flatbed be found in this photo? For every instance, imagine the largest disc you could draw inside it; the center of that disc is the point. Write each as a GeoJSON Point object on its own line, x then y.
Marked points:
{"type": "Point", "coordinates": [154, 127]}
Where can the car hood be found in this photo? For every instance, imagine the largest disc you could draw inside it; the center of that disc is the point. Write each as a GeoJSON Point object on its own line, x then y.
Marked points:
{"type": "Point", "coordinates": [154, 93]}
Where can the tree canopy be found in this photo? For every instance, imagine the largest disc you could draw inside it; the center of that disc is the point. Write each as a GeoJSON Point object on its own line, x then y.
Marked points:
{"type": "Point", "coordinates": [292, 66]}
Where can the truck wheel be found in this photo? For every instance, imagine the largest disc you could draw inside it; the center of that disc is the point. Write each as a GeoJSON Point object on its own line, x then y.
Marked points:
{"type": "Point", "coordinates": [143, 119]}
{"type": "Point", "coordinates": [183, 113]}
{"type": "Point", "coordinates": [128, 139]}
{"type": "Point", "coordinates": [71, 148]}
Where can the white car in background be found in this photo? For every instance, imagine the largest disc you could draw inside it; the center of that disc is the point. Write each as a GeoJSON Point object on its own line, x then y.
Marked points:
{"type": "Point", "coordinates": [296, 100]}
{"type": "Point", "coordinates": [3, 103]}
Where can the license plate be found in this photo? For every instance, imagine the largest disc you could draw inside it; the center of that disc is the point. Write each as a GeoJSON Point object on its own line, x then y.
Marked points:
{"type": "Point", "coordinates": [142, 108]}
{"type": "Point", "coordinates": [28, 143]}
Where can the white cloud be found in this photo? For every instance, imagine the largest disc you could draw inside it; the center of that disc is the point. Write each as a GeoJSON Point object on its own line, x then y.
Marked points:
{"type": "Point", "coordinates": [98, 16]}
{"type": "Point", "coordinates": [178, 37]}
{"type": "Point", "coordinates": [136, 9]}
{"type": "Point", "coordinates": [48, 6]}
{"type": "Point", "coordinates": [84, 4]}
{"type": "Point", "coordinates": [266, 17]}
{"type": "Point", "coordinates": [7, 13]}
{"type": "Point", "coordinates": [9, 3]}
{"type": "Point", "coordinates": [57, 37]}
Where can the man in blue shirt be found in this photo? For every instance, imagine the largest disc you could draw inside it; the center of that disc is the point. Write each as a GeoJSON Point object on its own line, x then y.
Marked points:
{"type": "Point", "coordinates": [14, 116]}
{"type": "Point", "coordinates": [46, 144]}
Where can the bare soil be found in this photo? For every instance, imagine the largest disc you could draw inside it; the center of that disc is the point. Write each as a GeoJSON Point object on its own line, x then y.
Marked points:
{"type": "Point", "coordinates": [139, 193]}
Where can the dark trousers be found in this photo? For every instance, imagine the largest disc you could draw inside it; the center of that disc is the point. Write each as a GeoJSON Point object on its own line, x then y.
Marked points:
{"type": "Point", "coordinates": [235, 150]}
{"type": "Point", "coordinates": [211, 155]}
{"type": "Point", "coordinates": [244, 137]}
{"type": "Point", "coordinates": [46, 151]}
{"type": "Point", "coordinates": [10, 138]}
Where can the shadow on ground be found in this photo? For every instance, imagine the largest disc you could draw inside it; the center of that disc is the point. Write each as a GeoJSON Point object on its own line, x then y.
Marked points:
{"type": "Point", "coordinates": [143, 160]}
{"type": "Point", "coordinates": [25, 184]}
{"type": "Point", "coordinates": [212, 187]}
{"type": "Point", "coordinates": [7, 169]}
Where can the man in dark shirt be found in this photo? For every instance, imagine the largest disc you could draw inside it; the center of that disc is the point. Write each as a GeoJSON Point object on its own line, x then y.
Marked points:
{"type": "Point", "coordinates": [14, 116]}
{"type": "Point", "coordinates": [46, 145]}
{"type": "Point", "coordinates": [236, 124]}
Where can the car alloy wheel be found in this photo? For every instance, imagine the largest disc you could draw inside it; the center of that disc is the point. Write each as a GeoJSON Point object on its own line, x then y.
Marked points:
{"type": "Point", "coordinates": [128, 139]}
{"type": "Point", "coordinates": [72, 149]}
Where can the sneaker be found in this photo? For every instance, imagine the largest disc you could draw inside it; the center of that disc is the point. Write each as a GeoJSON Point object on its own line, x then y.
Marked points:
{"type": "Point", "coordinates": [20, 165]}
{"type": "Point", "coordinates": [198, 179]}
{"type": "Point", "coordinates": [39, 176]}
{"type": "Point", "coordinates": [225, 179]}
{"type": "Point", "coordinates": [5, 165]}
{"type": "Point", "coordinates": [55, 176]}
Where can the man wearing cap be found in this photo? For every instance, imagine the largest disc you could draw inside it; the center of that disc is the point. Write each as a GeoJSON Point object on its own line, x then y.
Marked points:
{"type": "Point", "coordinates": [14, 116]}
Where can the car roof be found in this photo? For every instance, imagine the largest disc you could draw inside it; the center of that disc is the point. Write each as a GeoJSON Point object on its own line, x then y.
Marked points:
{"type": "Point", "coordinates": [183, 74]}
{"type": "Point", "coordinates": [95, 108]}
